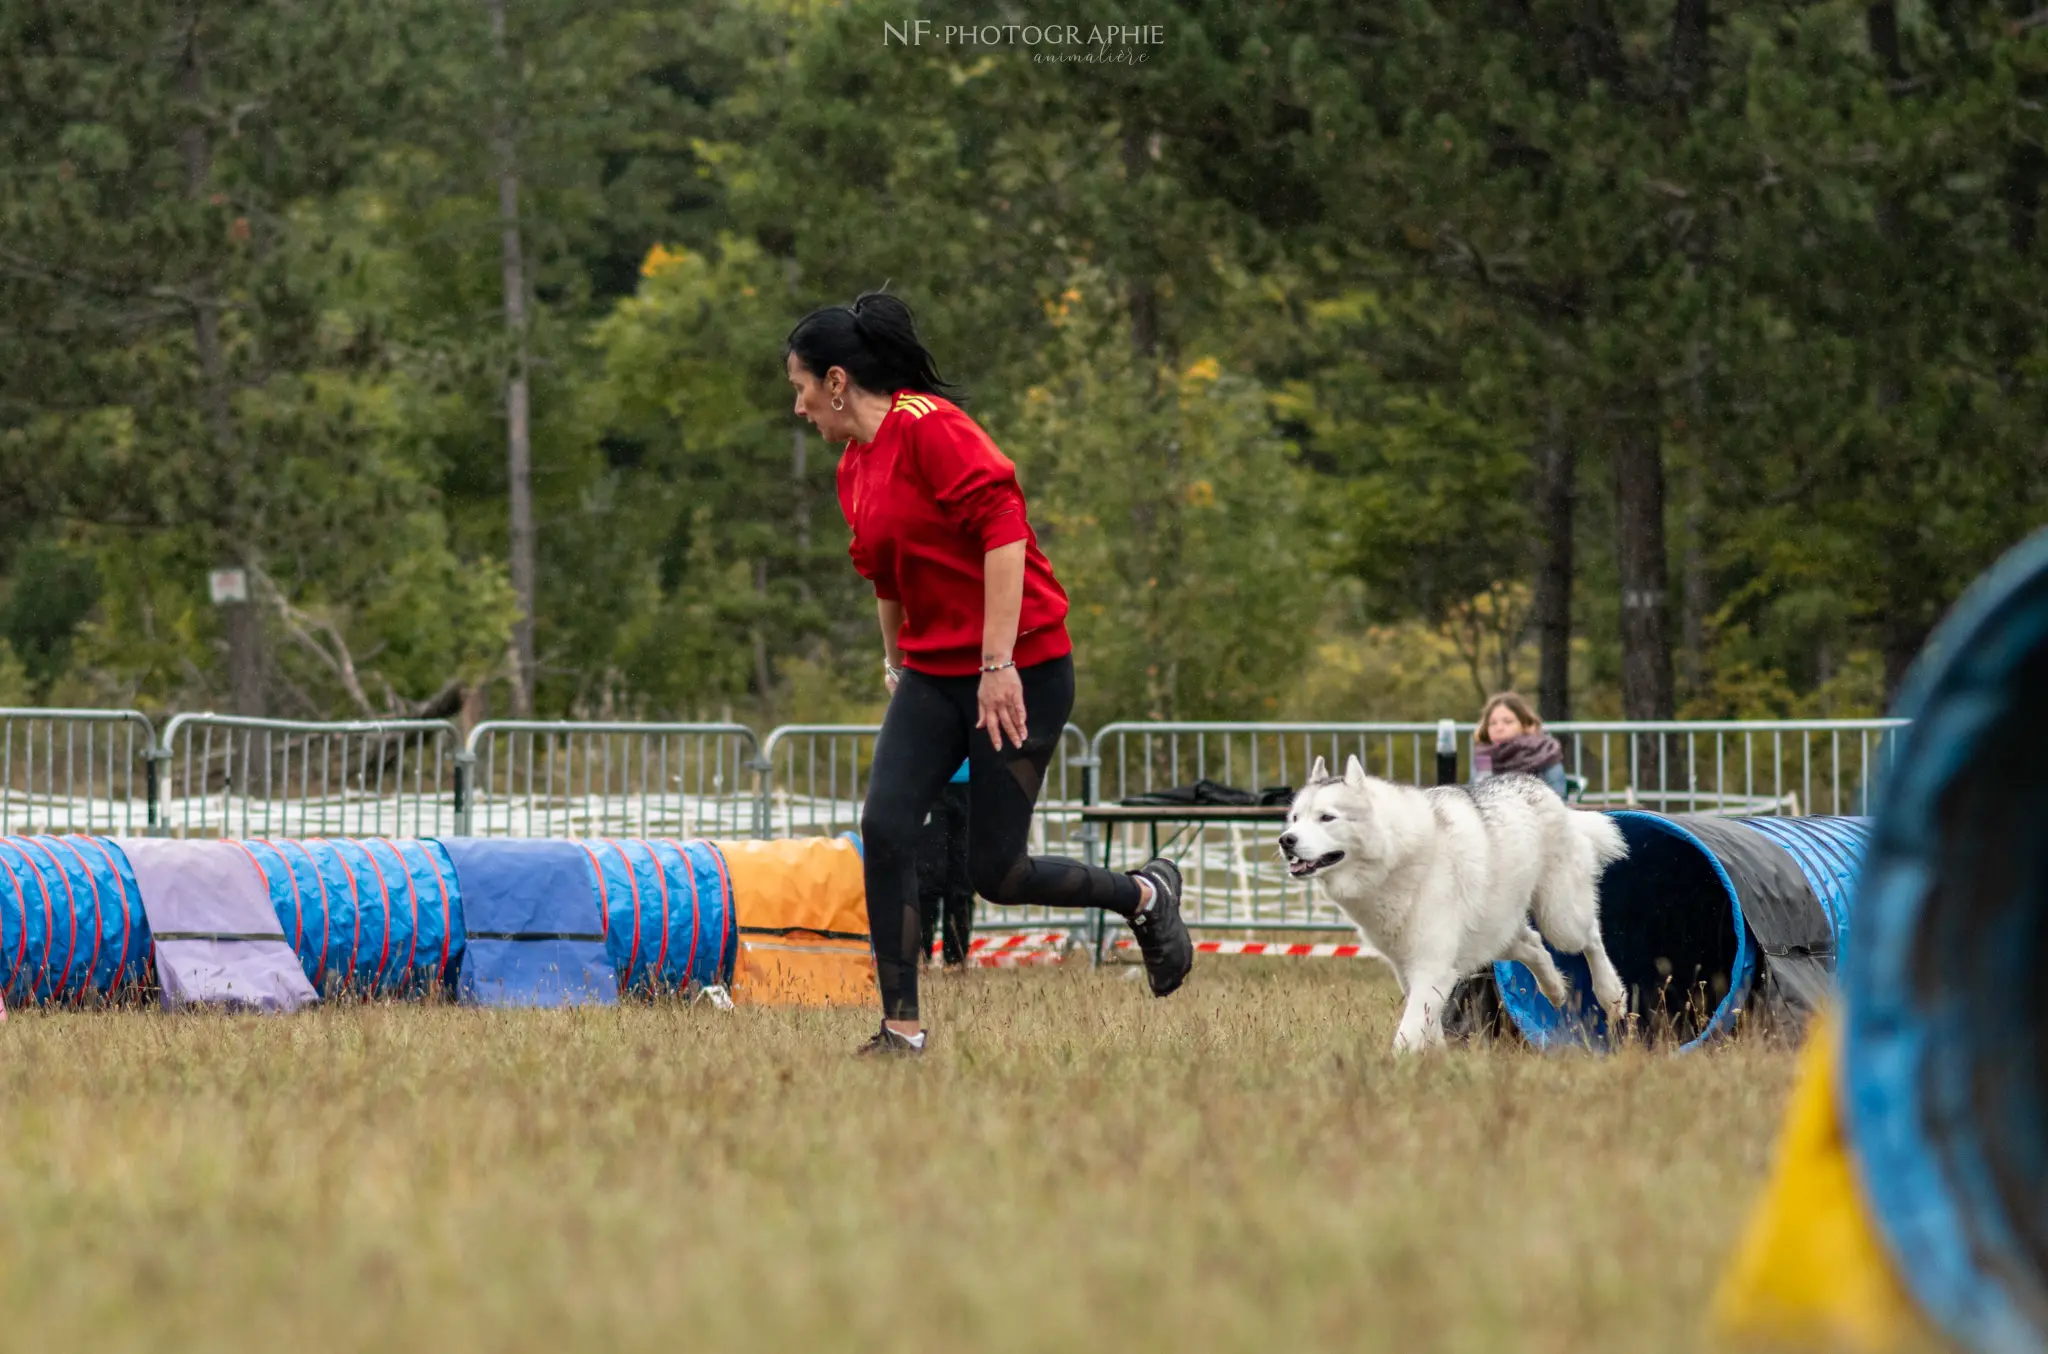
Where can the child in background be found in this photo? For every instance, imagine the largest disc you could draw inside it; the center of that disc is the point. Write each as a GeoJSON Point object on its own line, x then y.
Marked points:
{"type": "Point", "coordinates": [1510, 738]}
{"type": "Point", "coordinates": [943, 889]}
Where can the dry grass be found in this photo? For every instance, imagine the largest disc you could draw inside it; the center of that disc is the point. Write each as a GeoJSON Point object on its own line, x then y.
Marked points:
{"type": "Point", "coordinates": [1075, 1166]}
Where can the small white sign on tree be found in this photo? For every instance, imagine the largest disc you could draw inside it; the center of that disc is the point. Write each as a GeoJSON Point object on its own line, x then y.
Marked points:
{"type": "Point", "coordinates": [228, 585]}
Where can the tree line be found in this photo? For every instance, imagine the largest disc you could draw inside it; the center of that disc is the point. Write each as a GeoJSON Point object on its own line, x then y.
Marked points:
{"type": "Point", "coordinates": [1359, 356]}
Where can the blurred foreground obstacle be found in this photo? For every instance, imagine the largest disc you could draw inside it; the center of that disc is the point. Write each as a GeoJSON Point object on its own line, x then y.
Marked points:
{"type": "Point", "coordinates": [1910, 1195]}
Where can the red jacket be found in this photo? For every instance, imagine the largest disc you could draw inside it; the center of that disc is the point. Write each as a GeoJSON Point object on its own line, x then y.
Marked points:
{"type": "Point", "coordinates": [927, 499]}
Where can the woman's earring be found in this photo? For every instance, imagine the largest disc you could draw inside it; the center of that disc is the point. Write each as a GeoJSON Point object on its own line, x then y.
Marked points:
{"type": "Point", "coordinates": [838, 403]}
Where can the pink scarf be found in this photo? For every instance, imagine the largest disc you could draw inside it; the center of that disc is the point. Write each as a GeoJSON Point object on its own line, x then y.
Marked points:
{"type": "Point", "coordinates": [1529, 753]}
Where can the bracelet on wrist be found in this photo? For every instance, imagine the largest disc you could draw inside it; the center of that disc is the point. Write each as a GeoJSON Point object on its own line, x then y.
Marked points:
{"type": "Point", "coordinates": [998, 667]}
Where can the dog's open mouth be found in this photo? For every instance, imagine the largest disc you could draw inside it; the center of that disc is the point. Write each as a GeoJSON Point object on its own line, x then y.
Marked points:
{"type": "Point", "coordinates": [1302, 868]}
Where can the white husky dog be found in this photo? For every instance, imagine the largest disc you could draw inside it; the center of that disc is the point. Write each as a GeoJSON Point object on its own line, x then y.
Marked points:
{"type": "Point", "coordinates": [1443, 882]}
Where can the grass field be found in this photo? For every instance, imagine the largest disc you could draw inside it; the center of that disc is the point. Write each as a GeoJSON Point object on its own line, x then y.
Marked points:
{"type": "Point", "coordinates": [1074, 1166]}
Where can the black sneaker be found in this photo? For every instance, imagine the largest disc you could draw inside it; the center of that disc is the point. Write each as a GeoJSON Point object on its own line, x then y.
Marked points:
{"type": "Point", "coordinates": [1162, 935]}
{"type": "Point", "coordinates": [887, 1043]}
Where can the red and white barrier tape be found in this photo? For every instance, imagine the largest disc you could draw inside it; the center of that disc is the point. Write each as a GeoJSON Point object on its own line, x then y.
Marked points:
{"type": "Point", "coordinates": [1026, 940]}
{"type": "Point", "coordinates": [1272, 949]}
{"type": "Point", "coordinates": [1048, 947]}
{"type": "Point", "coordinates": [1016, 958]}
{"type": "Point", "coordinates": [1023, 950]}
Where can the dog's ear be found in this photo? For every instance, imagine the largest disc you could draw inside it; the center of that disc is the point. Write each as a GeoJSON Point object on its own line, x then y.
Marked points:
{"type": "Point", "coordinates": [1320, 771]}
{"type": "Point", "coordinates": [1354, 773]}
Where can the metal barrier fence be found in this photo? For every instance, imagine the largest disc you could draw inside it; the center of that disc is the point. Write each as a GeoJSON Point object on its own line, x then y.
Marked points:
{"type": "Point", "coordinates": [76, 771]}
{"type": "Point", "coordinates": [226, 776]}
{"type": "Point", "coordinates": [1235, 877]}
{"type": "Point", "coordinates": [1745, 768]}
{"type": "Point", "coordinates": [208, 775]}
{"type": "Point", "coordinates": [535, 778]}
{"type": "Point", "coordinates": [813, 782]}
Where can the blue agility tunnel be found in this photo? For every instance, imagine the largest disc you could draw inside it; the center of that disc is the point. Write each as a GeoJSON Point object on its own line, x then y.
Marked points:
{"type": "Point", "coordinates": [496, 922]}
{"type": "Point", "coordinates": [503, 922]}
{"type": "Point", "coordinates": [563, 922]}
{"type": "Point", "coordinates": [71, 920]}
{"type": "Point", "coordinates": [1945, 1042]}
{"type": "Point", "coordinates": [372, 917]}
{"type": "Point", "coordinates": [669, 920]}
{"type": "Point", "coordinates": [1708, 921]}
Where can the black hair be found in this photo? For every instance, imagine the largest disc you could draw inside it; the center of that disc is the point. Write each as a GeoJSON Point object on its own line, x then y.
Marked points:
{"type": "Point", "coordinates": [875, 339]}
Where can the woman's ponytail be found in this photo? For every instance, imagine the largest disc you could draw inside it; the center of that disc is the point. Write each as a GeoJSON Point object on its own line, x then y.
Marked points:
{"type": "Point", "coordinates": [875, 339]}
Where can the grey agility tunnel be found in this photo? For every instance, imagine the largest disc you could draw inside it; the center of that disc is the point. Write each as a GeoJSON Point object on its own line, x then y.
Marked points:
{"type": "Point", "coordinates": [1709, 921]}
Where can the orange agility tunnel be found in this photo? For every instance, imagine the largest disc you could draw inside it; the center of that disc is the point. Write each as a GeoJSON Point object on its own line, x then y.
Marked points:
{"type": "Point", "coordinates": [803, 922]}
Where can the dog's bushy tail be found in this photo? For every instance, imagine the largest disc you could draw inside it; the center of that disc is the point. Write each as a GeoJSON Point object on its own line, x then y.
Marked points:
{"type": "Point", "coordinates": [1600, 837]}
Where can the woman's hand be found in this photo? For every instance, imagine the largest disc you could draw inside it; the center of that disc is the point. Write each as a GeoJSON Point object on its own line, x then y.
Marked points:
{"type": "Point", "coordinates": [1002, 707]}
{"type": "Point", "coordinates": [890, 614]}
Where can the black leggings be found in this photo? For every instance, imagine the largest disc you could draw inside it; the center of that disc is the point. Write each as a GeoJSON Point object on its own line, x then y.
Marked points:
{"type": "Point", "coordinates": [945, 897]}
{"type": "Point", "coordinates": [928, 729]}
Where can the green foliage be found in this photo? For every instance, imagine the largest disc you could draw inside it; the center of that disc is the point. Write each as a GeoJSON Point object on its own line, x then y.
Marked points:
{"type": "Point", "coordinates": [1279, 325]}
{"type": "Point", "coordinates": [195, 378]}
{"type": "Point", "coordinates": [1173, 512]}
{"type": "Point", "coordinates": [15, 688]}
{"type": "Point", "coordinates": [53, 591]}
{"type": "Point", "coordinates": [1430, 503]}
{"type": "Point", "coordinates": [734, 549]}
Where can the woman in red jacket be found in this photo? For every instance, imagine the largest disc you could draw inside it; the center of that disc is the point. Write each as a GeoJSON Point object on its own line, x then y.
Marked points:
{"type": "Point", "coordinates": [975, 648]}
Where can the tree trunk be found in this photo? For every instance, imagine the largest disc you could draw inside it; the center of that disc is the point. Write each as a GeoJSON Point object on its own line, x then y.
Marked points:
{"type": "Point", "coordinates": [518, 439]}
{"type": "Point", "coordinates": [1881, 29]}
{"type": "Point", "coordinates": [1697, 598]}
{"type": "Point", "coordinates": [1900, 639]}
{"type": "Point", "coordinates": [1553, 600]}
{"type": "Point", "coordinates": [1156, 520]}
{"type": "Point", "coordinates": [1690, 50]}
{"type": "Point", "coordinates": [1881, 25]}
{"type": "Point", "coordinates": [1593, 45]}
{"type": "Point", "coordinates": [2026, 167]}
{"type": "Point", "coordinates": [1144, 295]}
{"type": "Point", "coordinates": [763, 674]}
{"type": "Point", "coordinates": [1645, 582]}
{"type": "Point", "coordinates": [1694, 598]}
{"type": "Point", "coordinates": [1899, 636]}
{"type": "Point", "coordinates": [475, 708]}
{"type": "Point", "coordinates": [244, 629]}
{"type": "Point", "coordinates": [799, 469]}
{"type": "Point", "coordinates": [245, 658]}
